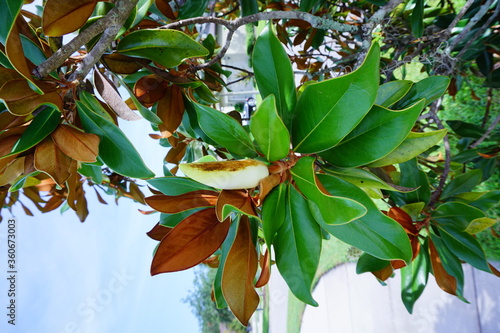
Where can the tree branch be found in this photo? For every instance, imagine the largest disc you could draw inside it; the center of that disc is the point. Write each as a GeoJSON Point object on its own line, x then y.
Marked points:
{"type": "Point", "coordinates": [116, 15]}
{"type": "Point", "coordinates": [487, 133]}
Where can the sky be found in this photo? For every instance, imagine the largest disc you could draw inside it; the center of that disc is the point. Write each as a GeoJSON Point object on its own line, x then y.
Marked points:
{"type": "Point", "coordinates": [94, 276]}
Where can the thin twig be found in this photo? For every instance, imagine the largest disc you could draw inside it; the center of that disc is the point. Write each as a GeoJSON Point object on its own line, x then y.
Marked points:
{"type": "Point", "coordinates": [122, 8]}
{"type": "Point", "coordinates": [487, 133]}
{"type": "Point", "coordinates": [489, 98]}
{"type": "Point", "coordinates": [447, 151]}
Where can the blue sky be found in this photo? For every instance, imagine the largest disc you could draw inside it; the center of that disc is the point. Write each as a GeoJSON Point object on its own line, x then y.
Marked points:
{"type": "Point", "coordinates": [94, 276]}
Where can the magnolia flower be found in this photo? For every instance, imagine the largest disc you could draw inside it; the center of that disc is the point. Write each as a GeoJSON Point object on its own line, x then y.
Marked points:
{"type": "Point", "coordinates": [227, 175]}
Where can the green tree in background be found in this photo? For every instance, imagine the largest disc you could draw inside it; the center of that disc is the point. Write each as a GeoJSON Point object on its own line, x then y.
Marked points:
{"type": "Point", "coordinates": [354, 113]}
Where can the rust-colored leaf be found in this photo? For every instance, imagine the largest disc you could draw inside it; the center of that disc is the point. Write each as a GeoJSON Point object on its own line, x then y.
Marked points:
{"type": "Point", "coordinates": [179, 203]}
{"type": "Point", "coordinates": [72, 184]}
{"type": "Point", "coordinates": [266, 185]}
{"type": "Point", "coordinates": [7, 143]}
{"type": "Point", "coordinates": [136, 193]}
{"type": "Point", "coordinates": [384, 273]}
{"type": "Point", "coordinates": [494, 270]}
{"type": "Point", "coordinates": [81, 204]}
{"type": "Point", "coordinates": [170, 110]}
{"type": "Point", "coordinates": [265, 270]}
{"type": "Point", "coordinates": [8, 120]}
{"type": "Point", "coordinates": [193, 240]}
{"type": "Point", "coordinates": [120, 63]}
{"type": "Point", "coordinates": [61, 17]}
{"type": "Point", "coordinates": [12, 171]}
{"type": "Point", "coordinates": [78, 145]}
{"type": "Point", "coordinates": [54, 202]}
{"type": "Point", "coordinates": [99, 197]}
{"type": "Point", "coordinates": [404, 219]}
{"type": "Point", "coordinates": [237, 198]}
{"type": "Point", "coordinates": [158, 232]}
{"type": "Point", "coordinates": [21, 100]}
{"type": "Point", "coordinates": [415, 246]}
{"type": "Point", "coordinates": [238, 274]}
{"type": "Point", "coordinates": [110, 94]}
{"type": "Point", "coordinates": [29, 164]}
{"type": "Point", "coordinates": [51, 160]}
{"type": "Point", "coordinates": [175, 154]}
{"type": "Point", "coordinates": [212, 262]}
{"type": "Point", "coordinates": [150, 89]}
{"type": "Point", "coordinates": [165, 9]}
{"type": "Point", "coordinates": [444, 280]}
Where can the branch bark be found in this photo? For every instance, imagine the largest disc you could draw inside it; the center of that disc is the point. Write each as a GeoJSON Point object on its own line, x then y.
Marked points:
{"type": "Point", "coordinates": [115, 16]}
{"type": "Point", "coordinates": [487, 133]}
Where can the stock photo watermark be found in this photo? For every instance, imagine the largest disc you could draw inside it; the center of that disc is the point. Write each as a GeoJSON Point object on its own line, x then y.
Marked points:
{"type": "Point", "coordinates": [11, 271]}
{"type": "Point", "coordinates": [91, 306]}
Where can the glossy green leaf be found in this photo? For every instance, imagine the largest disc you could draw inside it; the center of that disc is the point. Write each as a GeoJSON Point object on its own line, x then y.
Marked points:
{"type": "Point", "coordinates": [369, 263]}
{"type": "Point", "coordinates": [456, 214]}
{"type": "Point", "coordinates": [412, 176]}
{"type": "Point", "coordinates": [42, 125]}
{"type": "Point", "coordinates": [142, 8]}
{"type": "Point", "coordinates": [225, 247]}
{"type": "Point", "coordinates": [224, 130]}
{"type": "Point", "coordinates": [172, 185]}
{"type": "Point", "coordinates": [391, 92]}
{"type": "Point", "coordinates": [379, 133]}
{"type": "Point", "coordinates": [463, 183]}
{"type": "Point", "coordinates": [430, 88]}
{"type": "Point", "coordinates": [192, 8]}
{"type": "Point", "coordinates": [165, 47]}
{"type": "Point", "coordinates": [416, 19]}
{"type": "Point", "coordinates": [8, 12]}
{"type": "Point", "coordinates": [363, 178]}
{"type": "Point", "coordinates": [249, 7]}
{"type": "Point", "coordinates": [297, 246]}
{"type": "Point", "coordinates": [92, 102]}
{"type": "Point", "coordinates": [464, 246]}
{"type": "Point", "coordinates": [274, 74]}
{"type": "Point", "coordinates": [273, 212]}
{"type": "Point", "coordinates": [34, 53]}
{"type": "Point", "coordinates": [467, 130]}
{"type": "Point", "coordinates": [374, 233]}
{"type": "Point", "coordinates": [413, 209]}
{"type": "Point", "coordinates": [328, 209]}
{"type": "Point", "coordinates": [414, 278]}
{"type": "Point", "coordinates": [171, 220]}
{"type": "Point", "coordinates": [114, 147]}
{"type": "Point", "coordinates": [482, 200]}
{"type": "Point", "coordinates": [269, 131]}
{"type": "Point", "coordinates": [413, 145]}
{"type": "Point", "coordinates": [91, 171]}
{"type": "Point", "coordinates": [327, 111]}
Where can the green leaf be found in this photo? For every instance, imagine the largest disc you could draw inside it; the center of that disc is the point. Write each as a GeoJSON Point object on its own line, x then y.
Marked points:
{"type": "Point", "coordinates": [480, 224]}
{"type": "Point", "coordinates": [307, 5]}
{"type": "Point", "coordinates": [328, 209]}
{"type": "Point", "coordinates": [273, 212]}
{"type": "Point", "coordinates": [413, 145]}
{"type": "Point", "coordinates": [416, 19]}
{"type": "Point", "coordinates": [297, 246]}
{"type": "Point", "coordinates": [220, 301]}
{"type": "Point", "coordinates": [430, 88]}
{"type": "Point", "coordinates": [165, 47]}
{"type": "Point", "coordinates": [374, 233]}
{"type": "Point", "coordinates": [363, 179]}
{"type": "Point", "coordinates": [171, 220]}
{"type": "Point", "coordinates": [142, 8]}
{"type": "Point", "coordinates": [249, 7]}
{"type": "Point", "coordinates": [224, 130]}
{"type": "Point", "coordinates": [274, 74]}
{"type": "Point", "coordinates": [467, 130]}
{"type": "Point", "coordinates": [327, 111]}
{"type": "Point", "coordinates": [34, 53]}
{"type": "Point", "coordinates": [172, 185]}
{"type": "Point", "coordinates": [456, 214]}
{"type": "Point", "coordinates": [414, 278]}
{"type": "Point", "coordinates": [413, 209]}
{"type": "Point", "coordinates": [269, 130]}
{"type": "Point", "coordinates": [378, 134]}
{"type": "Point", "coordinates": [42, 125]}
{"type": "Point", "coordinates": [92, 102]}
{"type": "Point", "coordinates": [391, 92]}
{"type": "Point", "coordinates": [464, 246]}
{"type": "Point", "coordinates": [482, 200]}
{"type": "Point", "coordinates": [91, 171]}
{"type": "Point", "coordinates": [114, 147]}
{"type": "Point", "coordinates": [463, 183]}
{"type": "Point", "coordinates": [369, 263]}
{"type": "Point", "coordinates": [192, 8]}
{"type": "Point", "coordinates": [8, 12]}
{"type": "Point", "coordinates": [412, 176]}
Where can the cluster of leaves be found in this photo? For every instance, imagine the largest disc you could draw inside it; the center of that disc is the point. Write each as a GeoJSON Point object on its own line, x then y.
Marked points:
{"type": "Point", "coordinates": [331, 146]}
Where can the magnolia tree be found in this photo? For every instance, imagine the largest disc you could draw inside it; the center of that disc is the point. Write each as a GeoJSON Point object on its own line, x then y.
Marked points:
{"type": "Point", "coordinates": [318, 158]}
